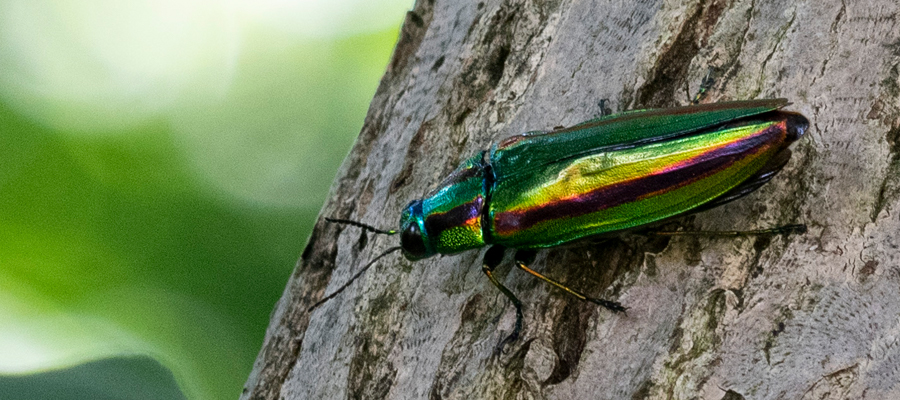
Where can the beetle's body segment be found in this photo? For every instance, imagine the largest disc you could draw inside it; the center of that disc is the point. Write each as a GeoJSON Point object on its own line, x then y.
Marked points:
{"type": "Point", "coordinates": [450, 218]}
{"type": "Point", "coordinates": [605, 192]}
{"type": "Point", "coordinates": [543, 189]}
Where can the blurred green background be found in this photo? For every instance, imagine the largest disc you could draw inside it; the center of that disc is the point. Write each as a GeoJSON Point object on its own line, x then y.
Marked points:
{"type": "Point", "coordinates": [161, 165]}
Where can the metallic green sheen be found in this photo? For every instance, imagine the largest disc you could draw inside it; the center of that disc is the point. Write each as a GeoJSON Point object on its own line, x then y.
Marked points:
{"type": "Point", "coordinates": [678, 188]}
{"type": "Point", "coordinates": [539, 171]}
{"type": "Point", "coordinates": [543, 189]}
{"type": "Point", "coordinates": [520, 154]}
{"type": "Point", "coordinates": [449, 217]}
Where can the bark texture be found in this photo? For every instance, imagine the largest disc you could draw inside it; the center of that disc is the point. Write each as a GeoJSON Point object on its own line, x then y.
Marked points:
{"type": "Point", "coordinates": [814, 316]}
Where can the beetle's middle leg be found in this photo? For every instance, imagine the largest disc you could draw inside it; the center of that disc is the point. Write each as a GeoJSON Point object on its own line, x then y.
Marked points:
{"type": "Point", "coordinates": [525, 257]}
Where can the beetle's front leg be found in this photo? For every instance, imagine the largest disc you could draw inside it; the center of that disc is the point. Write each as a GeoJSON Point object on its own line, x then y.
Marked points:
{"type": "Point", "coordinates": [492, 259]}
{"type": "Point", "coordinates": [525, 257]}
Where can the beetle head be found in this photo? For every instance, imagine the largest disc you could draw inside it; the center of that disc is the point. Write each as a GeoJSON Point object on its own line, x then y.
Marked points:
{"type": "Point", "coordinates": [413, 236]}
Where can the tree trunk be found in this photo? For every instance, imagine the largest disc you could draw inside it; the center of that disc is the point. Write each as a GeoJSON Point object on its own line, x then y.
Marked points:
{"type": "Point", "coordinates": [810, 316]}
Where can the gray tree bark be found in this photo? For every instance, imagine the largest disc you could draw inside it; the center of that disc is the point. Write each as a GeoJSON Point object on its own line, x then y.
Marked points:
{"type": "Point", "coordinates": [813, 316]}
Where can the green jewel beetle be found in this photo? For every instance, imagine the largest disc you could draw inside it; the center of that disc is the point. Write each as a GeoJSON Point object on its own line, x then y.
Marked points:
{"type": "Point", "coordinates": [598, 178]}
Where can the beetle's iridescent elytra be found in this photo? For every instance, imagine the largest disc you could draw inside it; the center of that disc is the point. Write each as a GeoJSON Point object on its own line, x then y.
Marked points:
{"type": "Point", "coordinates": [601, 177]}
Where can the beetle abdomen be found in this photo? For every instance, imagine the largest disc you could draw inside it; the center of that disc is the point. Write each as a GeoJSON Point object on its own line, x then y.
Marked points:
{"type": "Point", "coordinates": [608, 191]}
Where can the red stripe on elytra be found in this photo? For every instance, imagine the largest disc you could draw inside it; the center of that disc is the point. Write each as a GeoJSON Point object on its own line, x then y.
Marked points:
{"type": "Point", "coordinates": [681, 174]}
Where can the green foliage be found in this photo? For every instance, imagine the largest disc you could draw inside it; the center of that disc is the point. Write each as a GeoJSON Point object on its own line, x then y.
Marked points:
{"type": "Point", "coordinates": [121, 378]}
{"type": "Point", "coordinates": [173, 237]}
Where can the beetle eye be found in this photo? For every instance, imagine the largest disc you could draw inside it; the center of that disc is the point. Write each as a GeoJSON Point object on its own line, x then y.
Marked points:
{"type": "Point", "coordinates": [412, 242]}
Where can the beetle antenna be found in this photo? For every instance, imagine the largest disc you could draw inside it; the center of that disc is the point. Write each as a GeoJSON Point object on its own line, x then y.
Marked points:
{"type": "Point", "coordinates": [369, 228]}
{"type": "Point", "coordinates": [353, 278]}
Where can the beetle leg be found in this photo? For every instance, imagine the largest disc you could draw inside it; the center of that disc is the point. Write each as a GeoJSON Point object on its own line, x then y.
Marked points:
{"type": "Point", "coordinates": [492, 259]}
{"type": "Point", "coordinates": [604, 108]}
{"type": "Point", "coordinates": [778, 230]}
{"type": "Point", "coordinates": [706, 84]}
{"type": "Point", "coordinates": [524, 257]}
